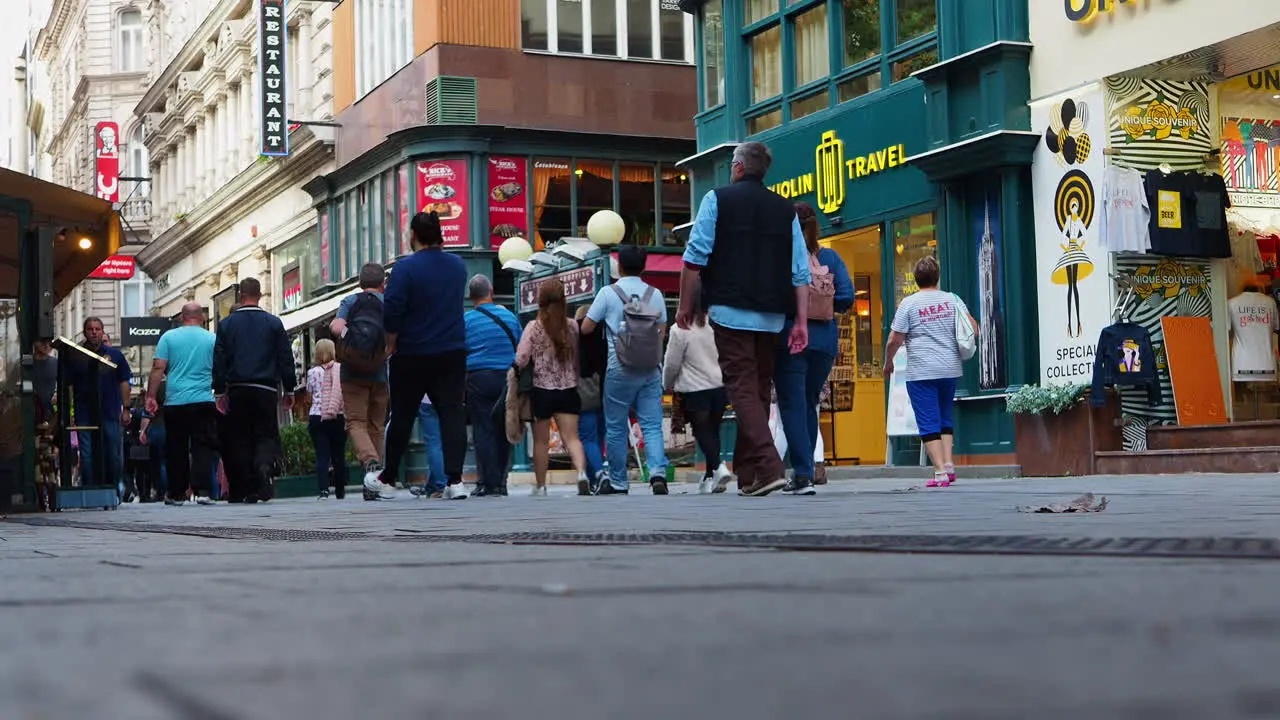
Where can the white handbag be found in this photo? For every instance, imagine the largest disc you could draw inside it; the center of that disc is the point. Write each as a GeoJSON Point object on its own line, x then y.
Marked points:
{"type": "Point", "coordinates": [966, 337]}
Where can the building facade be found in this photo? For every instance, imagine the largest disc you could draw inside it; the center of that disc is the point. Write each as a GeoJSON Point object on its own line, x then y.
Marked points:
{"type": "Point", "coordinates": [220, 209]}
{"type": "Point", "coordinates": [1180, 92]}
{"type": "Point", "coordinates": [507, 117]}
{"type": "Point", "coordinates": [904, 123]}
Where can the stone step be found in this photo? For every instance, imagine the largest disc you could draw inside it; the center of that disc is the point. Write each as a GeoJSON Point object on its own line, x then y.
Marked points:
{"type": "Point", "coordinates": [1260, 459]}
{"type": "Point", "coordinates": [1261, 433]}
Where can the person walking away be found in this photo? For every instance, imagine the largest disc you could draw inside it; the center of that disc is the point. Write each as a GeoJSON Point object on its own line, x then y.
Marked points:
{"type": "Point", "coordinates": [427, 344]}
{"type": "Point", "coordinates": [45, 384]}
{"type": "Point", "coordinates": [493, 332]}
{"type": "Point", "coordinates": [429, 434]}
{"type": "Point", "coordinates": [800, 377]}
{"type": "Point", "coordinates": [252, 373]}
{"type": "Point", "coordinates": [153, 435]}
{"type": "Point", "coordinates": [550, 342]}
{"type": "Point", "coordinates": [326, 422]}
{"type": "Point", "coordinates": [359, 326]}
{"type": "Point", "coordinates": [112, 394]}
{"type": "Point", "coordinates": [635, 316]}
{"type": "Point", "coordinates": [926, 324]}
{"type": "Point", "coordinates": [184, 365]}
{"type": "Point", "coordinates": [747, 248]}
{"type": "Point", "coordinates": [692, 369]}
{"type": "Point", "coordinates": [593, 361]}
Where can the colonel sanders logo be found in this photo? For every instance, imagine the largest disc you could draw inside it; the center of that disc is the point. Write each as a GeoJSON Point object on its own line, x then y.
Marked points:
{"type": "Point", "coordinates": [108, 156]}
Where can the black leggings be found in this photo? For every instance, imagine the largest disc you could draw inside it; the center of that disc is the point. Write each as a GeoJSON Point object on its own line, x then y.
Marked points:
{"type": "Point", "coordinates": [706, 430]}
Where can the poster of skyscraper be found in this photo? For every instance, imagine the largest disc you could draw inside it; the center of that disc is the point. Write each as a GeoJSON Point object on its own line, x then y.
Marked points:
{"type": "Point", "coordinates": [990, 310]}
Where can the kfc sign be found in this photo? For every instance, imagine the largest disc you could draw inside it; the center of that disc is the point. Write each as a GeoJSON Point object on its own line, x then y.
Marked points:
{"type": "Point", "coordinates": [272, 31]}
{"type": "Point", "coordinates": [116, 267]}
{"type": "Point", "coordinates": [107, 186]}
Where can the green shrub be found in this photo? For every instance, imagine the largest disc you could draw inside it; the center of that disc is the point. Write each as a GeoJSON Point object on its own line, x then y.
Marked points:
{"type": "Point", "coordinates": [300, 454]}
{"type": "Point", "coordinates": [1036, 400]}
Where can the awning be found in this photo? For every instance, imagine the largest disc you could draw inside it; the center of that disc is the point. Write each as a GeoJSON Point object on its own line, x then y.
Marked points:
{"type": "Point", "coordinates": [316, 311]}
{"type": "Point", "coordinates": [661, 270]}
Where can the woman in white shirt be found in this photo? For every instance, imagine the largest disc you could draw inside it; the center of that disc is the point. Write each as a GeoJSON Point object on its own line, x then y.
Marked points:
{"type": "Point", "coordinates": [692, 369]}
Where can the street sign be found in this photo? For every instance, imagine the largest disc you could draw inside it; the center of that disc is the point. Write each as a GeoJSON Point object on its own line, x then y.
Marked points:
{"type": "Point", "coordinates": [116, 267]}
{"type": "Point", "coordinates": [579, 283]}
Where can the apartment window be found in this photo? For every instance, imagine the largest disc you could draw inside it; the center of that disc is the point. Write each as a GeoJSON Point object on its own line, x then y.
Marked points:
{"type": "Point", "coordinates": [713, 53]}
{"type": "Point", "coordinates": [800, 33]}
{"type": "Point", "coordinates": [130, 51]}
{"type": "Point", "coordinates": [638, 29]}
{"type": "Point", "coordinates": [137, 295]}
{"type": "Point", "coordinates": [384, 36]}
{"type": "Point", "coordinates": [139, 163]}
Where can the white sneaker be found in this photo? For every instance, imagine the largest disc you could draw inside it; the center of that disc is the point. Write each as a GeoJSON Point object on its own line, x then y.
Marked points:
{"type": "Point", "coordinates": [542, 491]}
{"type": "Point", "coordinates": [204, 500]}
{"type": "Point", "coordinates": [720, 481]}
{"type": "Point", "coordinates": [456, 491]}
{"type": "Point", "coordinates": [707, 486]}
{"type": "Point", "coordinates": [375, 489]}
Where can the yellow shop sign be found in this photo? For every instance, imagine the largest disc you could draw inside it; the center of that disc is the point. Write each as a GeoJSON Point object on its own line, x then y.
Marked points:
{"type": "Point", "coordinates": [831, 170]}
{"type": "Point", "coordinates": [1083, 11]}
{"type": "Point", "coordinates": [1158, 120]}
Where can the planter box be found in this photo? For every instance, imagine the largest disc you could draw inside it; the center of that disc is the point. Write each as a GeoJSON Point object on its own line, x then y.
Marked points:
{"type": "Point", "coordinates": [1049, 445]}
{"type": "Point", "coordinates": [295, 486]}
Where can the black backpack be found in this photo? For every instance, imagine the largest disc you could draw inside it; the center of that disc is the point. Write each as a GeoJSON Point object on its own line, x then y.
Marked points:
{"type": "Point", "coordinates": [364, 347]}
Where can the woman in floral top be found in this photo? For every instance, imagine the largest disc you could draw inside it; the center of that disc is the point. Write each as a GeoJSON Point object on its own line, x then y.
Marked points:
{"type": "Point", "coordinates": [550, 342]}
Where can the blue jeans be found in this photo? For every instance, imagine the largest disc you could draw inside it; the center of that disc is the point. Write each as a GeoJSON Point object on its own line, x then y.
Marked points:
{"type": "Point", "coordinates": [591, 433]}
{"type": "Point", "coordinates": [158, 467]}
{"type": "Point", "coordinates": [485, 388]}
{"type": "Point", "coordinates": [429, 427]}
{"type": "Point", "coordinates": [113, 460]}
{"type": "Point", "coordinates": [798, 380]}
{"type": "Point", "coordinates": [624, 390]}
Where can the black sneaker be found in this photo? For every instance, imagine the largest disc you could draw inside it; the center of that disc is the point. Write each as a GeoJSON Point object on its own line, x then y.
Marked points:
{"type": "Point", "coordinates": [659, 487]}
{"type": "Point", "coordinates": [584, 487]}
{"type": "Point", "coordinates": [799, 486]}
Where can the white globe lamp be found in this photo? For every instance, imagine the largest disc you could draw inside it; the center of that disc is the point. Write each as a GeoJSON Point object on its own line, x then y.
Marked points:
{"type": "Point", "coordinates": [514, 248]}
{"type": "Point", "coordinates": [606, 228]}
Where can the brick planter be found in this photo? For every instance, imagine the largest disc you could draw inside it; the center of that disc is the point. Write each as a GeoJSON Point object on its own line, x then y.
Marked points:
{"type": "Point", "coordinates": [1049, 445]}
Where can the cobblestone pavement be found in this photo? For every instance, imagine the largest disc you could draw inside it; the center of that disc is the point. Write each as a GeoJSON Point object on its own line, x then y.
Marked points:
{"type": "Point", "coordinates": [420, 609]}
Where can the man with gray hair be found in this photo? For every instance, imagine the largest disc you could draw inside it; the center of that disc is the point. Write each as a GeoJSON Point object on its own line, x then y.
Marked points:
{"type": "Point", "coordinates": [493, 332]}
{"type": "Point", "coordinates": [747, 248]}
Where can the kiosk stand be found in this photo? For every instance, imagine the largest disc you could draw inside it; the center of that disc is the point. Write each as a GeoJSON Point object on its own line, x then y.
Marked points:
{"type": "Point", "coordinates": [93, 491]}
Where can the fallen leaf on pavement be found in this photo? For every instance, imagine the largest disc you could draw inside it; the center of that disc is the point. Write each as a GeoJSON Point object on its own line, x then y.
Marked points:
{"type": "Point", "coordinates": [1084, 504]}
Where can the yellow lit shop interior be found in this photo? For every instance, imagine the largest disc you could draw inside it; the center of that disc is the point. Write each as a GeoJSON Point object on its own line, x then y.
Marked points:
{"type": "Point", "coordinates": [853, 408]}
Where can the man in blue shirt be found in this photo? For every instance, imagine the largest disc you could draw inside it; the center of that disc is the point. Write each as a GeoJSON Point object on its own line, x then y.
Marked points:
{"type": "Point", "coordinates": [427, 344]}
{"type": "Point", "coordinates": [185, 354]}
{"type": "Point", "coordinates": [493, 332]}
{"type": "Point", "coordinates": [364, 395]}
{"type": "Point", "coordinates": [624, 388]}
{"type": "Point", "coordinates": [110, 392]}
{"type": "Point", "coordinates": [747, 247]}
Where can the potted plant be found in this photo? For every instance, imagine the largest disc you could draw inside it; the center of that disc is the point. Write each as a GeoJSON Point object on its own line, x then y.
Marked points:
{"type": "Point", "coordinates": [1057, 431]}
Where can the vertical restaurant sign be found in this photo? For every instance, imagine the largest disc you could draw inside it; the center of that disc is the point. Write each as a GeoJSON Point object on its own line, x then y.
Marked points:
{"type": "Point", "coordinates": [107, 169]}
{"type": "Point", "coordinates": [508, 209]}
{"type": "Point", "coordinates": [406, 204]}
{"type": "Point", "coordinates": [1073, 294]}
{"type": "Point", "coordinates": [272, 34]}
{"type": "Point", "coordinates": [442, 189]}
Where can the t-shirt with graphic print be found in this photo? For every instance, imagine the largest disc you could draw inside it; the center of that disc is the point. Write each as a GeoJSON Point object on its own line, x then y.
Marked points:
{"type": "Point", "coordinates": [1253, 322]}
{"type": "Point", "coordinates": [928, 319]}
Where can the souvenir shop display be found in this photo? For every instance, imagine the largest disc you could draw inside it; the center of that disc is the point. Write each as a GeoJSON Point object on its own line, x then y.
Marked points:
{"type": "Point", "coordinates": [1124, 358]}
{"type": "Point", "coordinates": [1188, 214]}
{"type": "Point", "coordinates": [1253, 323]}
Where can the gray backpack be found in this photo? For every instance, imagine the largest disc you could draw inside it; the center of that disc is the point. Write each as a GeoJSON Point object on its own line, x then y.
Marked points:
{"type": "Point", "coordinates": [638, 343]}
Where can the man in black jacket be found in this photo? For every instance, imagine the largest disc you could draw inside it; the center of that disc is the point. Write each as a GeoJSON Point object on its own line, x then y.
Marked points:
{"type": "Point", "coordinates": [252, 364]}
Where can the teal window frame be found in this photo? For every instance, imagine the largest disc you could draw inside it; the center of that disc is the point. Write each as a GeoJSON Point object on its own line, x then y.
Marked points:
{"type": "Point", "coordinates": [787, 10]}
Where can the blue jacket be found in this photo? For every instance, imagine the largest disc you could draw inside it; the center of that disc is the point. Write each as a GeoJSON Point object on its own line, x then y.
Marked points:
{"type": "Point", "coordinates": [252, 348]}
{"type": "Point", "coordinates": [825, 336]}
{"type": "Point", "coordinates": [423, 303]}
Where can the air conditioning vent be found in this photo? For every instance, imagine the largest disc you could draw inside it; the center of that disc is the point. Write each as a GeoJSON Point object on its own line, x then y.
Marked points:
{"type": "Point", "coordinates": [451, 101]}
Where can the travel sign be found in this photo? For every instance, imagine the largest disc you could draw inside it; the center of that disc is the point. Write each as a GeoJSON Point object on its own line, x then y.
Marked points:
{"type": "Point", "coordinates": [832, 169]}
{"type": "Point", "coordinates": [1083, 11]}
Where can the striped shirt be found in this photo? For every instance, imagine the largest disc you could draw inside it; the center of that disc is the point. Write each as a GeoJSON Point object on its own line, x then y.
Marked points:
{"type": "Point", "coordinates": [488, 347]}
{"type": "Point", "coordinates": [928, 319]}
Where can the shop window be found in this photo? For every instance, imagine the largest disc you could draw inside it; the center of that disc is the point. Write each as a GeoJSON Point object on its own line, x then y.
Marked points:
{"type": "Point", "coordinates": [764, 121]}
{"type": "Point", "coordinates": [594, 180]}
{"type": "Point", "coordinates": [604, 28]}
{"type": "Point", "coordinates": [913, 238]}
{"type": "Point", "coordinates": [713, 53]}
{"type": "Point", "coordinates": [766, 64]}
{"type": "Point", "coordinates": [533, 25]}
{"type": "Point", "coordinates": [552, 200]}
{"type": "Point", "coordinates": [757, 10]}
{"type": "Point", "coordinates": [914, 18]}
{"type": "Point", "coordinates": [404, 186]}
{"type": "Point", "coordinates": [676, 199]}
{"type": "Point", "coordinates": [857, 86]}
{"type": "Point", "coordinates": [351, 243]}
{"type": "Point", "coordinates": [812, 46]}
{"type": "Point", "coordinates": [569, 26]}
{"type": "Point", "coordinates": [637, 197]}
{"type": "Point", "coordinates": [810, 105]}
{"type": "Point", "coordinates": [365, 242]}
{"type": "Point", "coordinates": [902, 69]}
{"type": "Point", "coordinates": [861, 30]}
{"type": "Point", "coordinates": [338, 240]}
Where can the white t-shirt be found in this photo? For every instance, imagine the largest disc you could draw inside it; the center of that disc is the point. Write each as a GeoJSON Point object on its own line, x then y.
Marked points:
{"type": "Point", "coordinates": [928, 319]}
{"type": "Point", "coordinates": [1253, 321]}
{"type": "Point", "coordinates": [1126, 213]}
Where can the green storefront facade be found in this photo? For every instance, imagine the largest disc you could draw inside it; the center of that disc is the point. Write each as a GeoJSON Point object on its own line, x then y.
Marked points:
{"type": "Point", "coordinates": [904, 123]}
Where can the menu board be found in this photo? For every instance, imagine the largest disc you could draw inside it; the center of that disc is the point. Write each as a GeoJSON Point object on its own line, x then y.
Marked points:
{"type": "Point", "coordinates": [508, 206]}
{"type": "Point", "coordinates": [442, 188]}
{"type": "Point", "coordinates": [841, 380]}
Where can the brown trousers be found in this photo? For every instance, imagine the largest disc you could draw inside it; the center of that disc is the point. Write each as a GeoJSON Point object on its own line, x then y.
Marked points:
{"type": "Point", "coordinates": [746, 361]}
{"type": "Point", "coordinates": [365, 403]}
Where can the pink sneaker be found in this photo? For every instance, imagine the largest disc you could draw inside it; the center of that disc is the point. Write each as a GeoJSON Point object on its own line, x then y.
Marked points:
{"type": "Point", "coordinates": [939, 480]}
{"type": "Point", "coordinates": [951, 473]}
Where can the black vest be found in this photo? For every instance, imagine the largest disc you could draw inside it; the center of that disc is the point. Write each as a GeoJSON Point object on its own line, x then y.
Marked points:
{"type": "Point", "coordinates": [750, 266]}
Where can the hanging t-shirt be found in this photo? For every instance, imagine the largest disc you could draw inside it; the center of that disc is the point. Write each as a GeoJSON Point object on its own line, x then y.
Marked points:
{"type": "Point", "coordinates": [1246, 260]}
{"type": "Point", "coordinates": [1171, 198]}
{"type": "Point", "coordinates": [1126, 214]}
{"type": "Point", "coordinates": [1211, 206]}
{"type": "Point", "coordinates": [1253, 322]}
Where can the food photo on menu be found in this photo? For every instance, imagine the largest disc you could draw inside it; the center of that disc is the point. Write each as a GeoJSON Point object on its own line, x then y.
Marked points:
{"type": "Point", "coordinates": [441, 193]}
